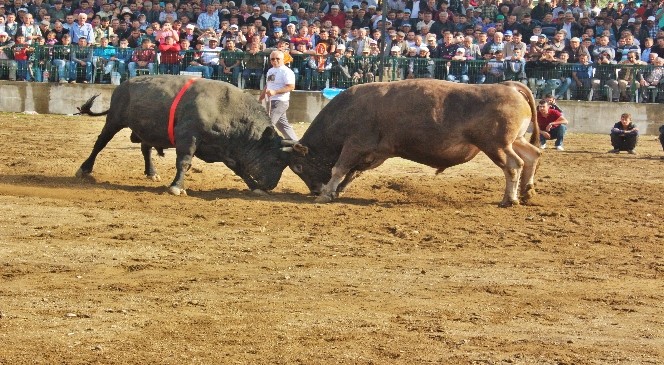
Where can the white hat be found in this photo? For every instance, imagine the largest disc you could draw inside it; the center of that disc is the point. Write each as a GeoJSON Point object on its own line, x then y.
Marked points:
{"type": "Point", "coordinates": [395, 49]}
{"type": "Point", "coordinates": [534, 38]}
{"type": "Point", "coordinates": [575, 39]}
{"type": "Point", "coordinates": [650, 18]}
{"type": "Point", "coordinates": [461, 50]}
{"type": "Point", "coordinates": [631, 20]}
{"type": "Point", "coordinates": [190, 26]}
{"type": "Point", "coordinates": [234, 26]}
{"type": "Point", "coordinates": [341, 47]}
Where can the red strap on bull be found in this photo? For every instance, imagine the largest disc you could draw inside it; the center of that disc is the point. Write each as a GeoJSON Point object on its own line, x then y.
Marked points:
{"type": "Point", "coordinates": [171, 114]}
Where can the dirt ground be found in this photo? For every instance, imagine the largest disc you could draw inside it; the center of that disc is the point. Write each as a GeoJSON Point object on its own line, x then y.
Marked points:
{"type": "Point", "coordinates": [408, 267]}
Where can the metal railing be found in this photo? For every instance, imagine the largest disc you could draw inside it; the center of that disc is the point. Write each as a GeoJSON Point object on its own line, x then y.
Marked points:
{"type": "Point", "coordinates": [608, 82]}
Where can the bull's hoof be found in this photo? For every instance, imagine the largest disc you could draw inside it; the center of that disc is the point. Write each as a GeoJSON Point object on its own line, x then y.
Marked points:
{"type": "Point", "coordinates": [82, 174]}
{"type": "Point", "coordinates": [155, 178]}
{"type": "Point", "coordinates": [324, 198]}
{"type": "Point", "coordinates": [509, 203]}
{"type": "Point", "coordinates": [259, 192]}
{"type": "Point", "coordinates": [177, 191]}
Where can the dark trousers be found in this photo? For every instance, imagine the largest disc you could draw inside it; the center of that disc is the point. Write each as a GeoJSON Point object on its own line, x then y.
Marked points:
{"type": "Point", "coordinates": [624, 142]}
{"type": "Point", "coordinates": [661, 140]}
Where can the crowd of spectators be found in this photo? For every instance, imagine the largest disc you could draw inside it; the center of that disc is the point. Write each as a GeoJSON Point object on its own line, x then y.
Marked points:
{"type": "Point", "coordinates": [565, 48]}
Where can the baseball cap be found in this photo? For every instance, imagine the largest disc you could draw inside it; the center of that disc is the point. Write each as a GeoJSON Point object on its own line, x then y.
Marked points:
{"type": "Point", "coordinates": [276, 30]}
{"type": "Point", "coordinates": [651, 18]}
{"type": "Point", "coordinates": [395, 49]}
{"type": "Point", "coordinates": [508, 32]}
{"type": "Point", "coordinates": [575, 39]}
{"type": "Point", "coordinates": [3, 34]}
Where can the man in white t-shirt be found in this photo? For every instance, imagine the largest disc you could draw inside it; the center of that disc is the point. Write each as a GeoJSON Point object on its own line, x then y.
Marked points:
{"type": "Point", "coordinates": [280, 82]}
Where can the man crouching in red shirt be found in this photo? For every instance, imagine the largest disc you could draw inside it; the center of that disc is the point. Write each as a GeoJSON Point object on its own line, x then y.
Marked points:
{"type": "Point", "coordinates": [552, 125]}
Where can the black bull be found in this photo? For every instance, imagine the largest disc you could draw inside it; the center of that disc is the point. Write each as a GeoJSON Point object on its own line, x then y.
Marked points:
{"type": "Point", "coordinates": [213, 121]}
{"type": "Point", "coordinates": [436, 123]}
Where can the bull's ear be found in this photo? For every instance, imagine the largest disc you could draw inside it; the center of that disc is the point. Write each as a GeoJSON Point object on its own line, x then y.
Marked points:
{"type": "Point", "coordinates": [269, 133]}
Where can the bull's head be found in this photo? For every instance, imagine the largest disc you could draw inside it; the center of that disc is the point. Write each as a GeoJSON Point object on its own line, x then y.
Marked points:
{"type": "Point", "coordinates": [263, 164]}
{"type": "Point", "coordinates": [313, 169]}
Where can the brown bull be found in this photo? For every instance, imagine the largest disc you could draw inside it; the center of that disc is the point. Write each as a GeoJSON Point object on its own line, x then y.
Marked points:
{"type": "Point", "coordinates": [436, 123]}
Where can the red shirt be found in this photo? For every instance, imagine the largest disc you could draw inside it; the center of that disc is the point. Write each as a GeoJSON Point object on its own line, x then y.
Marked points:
{"type": "Point", "coordinates": [544, 121]}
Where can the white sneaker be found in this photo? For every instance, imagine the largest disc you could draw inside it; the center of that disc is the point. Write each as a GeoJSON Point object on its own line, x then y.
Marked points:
{"type": "Point", "coordinates": [543, 146]}
{"type": "Point", "coordinates": [560, 148]}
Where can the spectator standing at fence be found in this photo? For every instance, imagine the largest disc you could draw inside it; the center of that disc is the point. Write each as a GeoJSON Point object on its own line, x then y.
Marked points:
{"type": "Point", "coordinates": [7, 56]}
{"type": "Point", "coordinates": [280, 82]}
{"type": "Point", "coordinates": [22, 52]}
{"type": "Point", "coordinates": [552, 125]}
{"type": "Point", "coordinates": [624, 135]}
{"type": "Point", "coordinates": [169, 62]}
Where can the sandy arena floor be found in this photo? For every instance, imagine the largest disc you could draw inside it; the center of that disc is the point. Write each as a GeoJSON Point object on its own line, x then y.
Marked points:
{"type": "Point", "coordinates": [406, 268]}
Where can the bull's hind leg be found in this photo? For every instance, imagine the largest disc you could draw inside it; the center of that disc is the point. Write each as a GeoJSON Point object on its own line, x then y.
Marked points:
{"type": "Point", "coordinates": [530, 156]}
{"type": "Point", "coordinates": [150, 171]}
{"type": "Point", "coordinates": [512, 165]}
{"type": "Point", "coordinates": [104, 137]}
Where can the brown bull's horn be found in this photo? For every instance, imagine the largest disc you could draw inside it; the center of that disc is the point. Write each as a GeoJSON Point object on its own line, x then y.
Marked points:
{"type": "Point", "coordinates": [301, 149]}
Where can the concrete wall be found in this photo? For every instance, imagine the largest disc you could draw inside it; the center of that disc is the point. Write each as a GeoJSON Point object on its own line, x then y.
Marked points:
{"type": "Point", "coordinates": [51, 98]}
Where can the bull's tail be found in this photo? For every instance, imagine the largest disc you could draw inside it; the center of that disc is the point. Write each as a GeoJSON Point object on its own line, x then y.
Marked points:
{"type": "Point", "coordinates": [523, 90]}
{"type": "Point", "coordinates": [85, 108]}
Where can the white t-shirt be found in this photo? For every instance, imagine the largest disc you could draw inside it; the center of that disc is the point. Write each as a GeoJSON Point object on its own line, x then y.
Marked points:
{"type": "Point", "coordinates": [278, 77]}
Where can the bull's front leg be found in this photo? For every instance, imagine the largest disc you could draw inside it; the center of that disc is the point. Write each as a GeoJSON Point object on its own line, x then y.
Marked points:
{"type": "Point", "coordinates": [150, 171]}
{"type": "Point", "coordinates": [184, 154]}
{"type": "Point", "coordinates": [329, 190]}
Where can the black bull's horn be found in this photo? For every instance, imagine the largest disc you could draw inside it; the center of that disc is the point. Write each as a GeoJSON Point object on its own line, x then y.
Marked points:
{"type": "Point", "coordinates": [293, 146]}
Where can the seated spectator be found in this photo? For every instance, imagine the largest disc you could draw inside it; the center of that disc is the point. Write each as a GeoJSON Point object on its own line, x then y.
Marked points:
{"type": "Point", "coordinates": [624, 135]}
{"type": "Point", "coordinates": [552, 125]}
{"type": "Point", "coordinates": [582, 74]}
{"type": "Point", "coordinates": [230, 63]}
{"type": "Point", "coordinates": [104, 56]}
{"type": "Point", "coordinates": [254, 63]}
{"type": "Point", "coordinates": [627, 75]}
{"type": "Point", "coordinates": [143, 58]}
{"type": "Point", "coordinates": [193, 62]}
{"type": "Point", "coordinates": [420, 67]}
{"type": "Point", "coordinates": [123, 57]}
{"type": "Point", "coordinates": [515, 66]}
{"type": "Point", "coordinates": [458, 67]}
{"type": "Point", "coordinates": [494, 70]}
{"type": "Point", "coordinates": [61, 57]}
{"type": "Point", "coordinates": [652, 80]}
{"type": "Point", "coordinates": [81, 56]}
